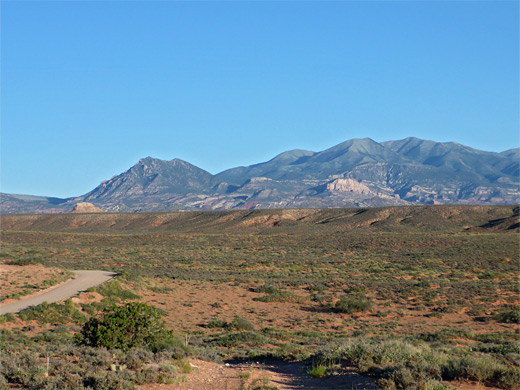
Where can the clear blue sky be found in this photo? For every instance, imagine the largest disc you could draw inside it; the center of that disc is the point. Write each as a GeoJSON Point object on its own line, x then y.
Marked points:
{"type": "Point", "coordinates": [89, 88]}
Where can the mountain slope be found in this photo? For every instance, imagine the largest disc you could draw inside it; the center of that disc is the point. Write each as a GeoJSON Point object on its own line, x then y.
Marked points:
{"type": "Point", "coordinates": [511, 153]}
{"type": "Point", "coordinates": [355, 173]}
{"type": "Point", "coordinates": [272, 168]}
{"type": "Point", "coordinates": [151, 177]}
{"type": "Point", "coordinates": [25, 204]}
{"type": "Point", "coordinates": [306, 165]}
{"type": "Point", "coordinates": [459, 160]}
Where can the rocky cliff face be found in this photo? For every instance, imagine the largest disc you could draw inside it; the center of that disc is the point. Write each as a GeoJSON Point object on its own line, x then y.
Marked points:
{"type": "Point", "coordinates": [355, 173]}
{"type": "Point", "coordinates": [85, 207]}
{"type": "Point", "coordinates": [348, 185]}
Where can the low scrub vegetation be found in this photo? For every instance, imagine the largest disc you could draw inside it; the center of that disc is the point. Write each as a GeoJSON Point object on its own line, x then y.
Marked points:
{"type": "Point", "coordinates": [53, 313]}
{"type": "Point", "coordinates": [407, 364]}
{"type": "Point", "coordinates": [413, 308]}
{"type": "Point", "coordinates": [509, 317]}
{"type": "Point", "coordinates": [54, 361]}
{"type": "Point", "coordinates": [115, 291]}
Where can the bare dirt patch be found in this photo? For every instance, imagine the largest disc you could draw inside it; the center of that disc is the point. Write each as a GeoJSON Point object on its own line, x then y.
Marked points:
{"type": "Point", "coordinates": [275, 375]}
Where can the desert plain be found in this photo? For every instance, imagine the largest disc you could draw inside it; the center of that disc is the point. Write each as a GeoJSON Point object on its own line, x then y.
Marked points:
{"type": "Point", "coordinates": [422, 297]}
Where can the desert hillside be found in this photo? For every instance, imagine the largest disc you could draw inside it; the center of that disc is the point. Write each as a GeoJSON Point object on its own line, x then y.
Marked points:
{"type": "Point", "coordinates": [434, 218]}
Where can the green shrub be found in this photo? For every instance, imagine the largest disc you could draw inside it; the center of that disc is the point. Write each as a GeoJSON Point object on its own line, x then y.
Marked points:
{"type": "Point", "coordinates": [135, 358]}
{"type": "Point", "coordinates": [216, 323]}
{"type": "Point", "coordinates": [113, 289]}
{"type": "Point", "coordinates": [317, 372]}
{"type": "Point", "coordinates": [53, 313]}
{"type": "Point", "coordinates": [124, 327]}
{"type": "Point", "coordinates": [507, 378]}
{"type": "Point", "coordinates": [509, 317]}
{"type": "Point", "coordinates": [240, 323]}
{"type": "Point", "coordinates": [26, 261]}
{"type": "Point", "coordinates": [9, 317]}
{"type": "Point", "coordinates": [110, 382]}
{"type": "Point", "coordinates": [353, 304]}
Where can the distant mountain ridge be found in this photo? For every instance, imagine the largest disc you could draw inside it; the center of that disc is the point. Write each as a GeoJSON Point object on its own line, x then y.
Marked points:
{"type": "Point", "coordinates": [354, 173]}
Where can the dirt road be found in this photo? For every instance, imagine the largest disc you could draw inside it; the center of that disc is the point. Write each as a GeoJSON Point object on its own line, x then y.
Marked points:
{"type": "Point", "coordinates": [83, 280]}
{"type": "Point", "coordinates": [274, 375]}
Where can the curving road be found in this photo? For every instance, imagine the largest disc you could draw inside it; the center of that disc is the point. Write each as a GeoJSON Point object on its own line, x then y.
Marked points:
{"type": "Point", "coordinates": [83, 280]}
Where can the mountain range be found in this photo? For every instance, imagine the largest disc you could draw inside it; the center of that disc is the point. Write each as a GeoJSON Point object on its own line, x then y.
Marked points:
{"type": "Point", "coordinates": [355, 173]}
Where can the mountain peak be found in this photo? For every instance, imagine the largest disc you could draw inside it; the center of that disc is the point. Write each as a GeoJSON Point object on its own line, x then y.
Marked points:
{"type": "Point", "coordinates": [147, 159]}
{"type": "Point", "coordinates": [355, 144]}
{"type": "Point", "coordinates": [408, 171]}
{"type": "Point", "coordinates": [154, 159]}
{"type": "Point", "coordinates": [292, 155]}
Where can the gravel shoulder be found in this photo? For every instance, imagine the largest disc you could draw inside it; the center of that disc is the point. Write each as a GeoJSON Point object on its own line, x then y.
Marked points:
{"type": "Point", "coordinates": [83, 281]}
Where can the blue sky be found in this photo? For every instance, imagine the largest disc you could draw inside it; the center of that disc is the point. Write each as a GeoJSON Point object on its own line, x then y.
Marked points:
{"type": "Point", "coordinates": [89, 88]}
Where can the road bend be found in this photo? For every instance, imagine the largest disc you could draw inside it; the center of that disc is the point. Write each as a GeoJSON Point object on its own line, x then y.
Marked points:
{"type": "Point", "coordinates": [83, 281]}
